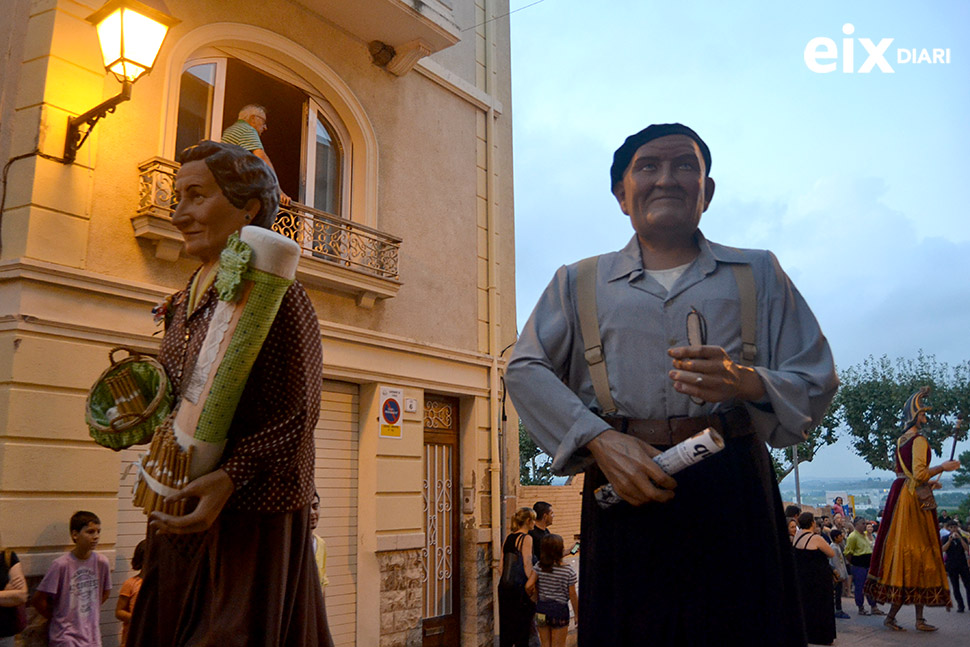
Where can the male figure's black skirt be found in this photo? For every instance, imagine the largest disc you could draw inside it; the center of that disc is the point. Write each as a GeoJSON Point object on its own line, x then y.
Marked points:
{"type": "Point", "coordinates": [713, 566]}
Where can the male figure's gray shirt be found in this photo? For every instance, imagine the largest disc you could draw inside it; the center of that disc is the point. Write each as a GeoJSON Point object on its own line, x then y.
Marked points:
{"type": "Point", "coordinates": [639, 320]}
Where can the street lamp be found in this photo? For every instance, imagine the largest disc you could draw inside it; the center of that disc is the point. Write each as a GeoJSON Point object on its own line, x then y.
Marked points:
{"type": "Point", "coordinates": [131, 33]}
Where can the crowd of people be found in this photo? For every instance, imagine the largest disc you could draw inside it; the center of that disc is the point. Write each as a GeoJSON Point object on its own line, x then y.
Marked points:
{"type": "Point", "coordinates": [833, 558]}
{"type": "Point", "coordinates": [536, 588]}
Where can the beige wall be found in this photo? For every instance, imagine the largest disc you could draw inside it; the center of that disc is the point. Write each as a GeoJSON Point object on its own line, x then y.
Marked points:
{"type": "Point", "coordinates": [11, 54]}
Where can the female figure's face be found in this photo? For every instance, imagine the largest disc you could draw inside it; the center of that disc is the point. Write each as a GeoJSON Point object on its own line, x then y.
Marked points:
{"type": "Point", "coordinates": [792, 527]}
{"type": "Point", "coordinates": [204, 215]}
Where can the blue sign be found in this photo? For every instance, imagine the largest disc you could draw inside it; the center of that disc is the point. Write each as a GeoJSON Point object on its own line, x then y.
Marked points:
{"type": "Point", "coordinates": [391, 411]}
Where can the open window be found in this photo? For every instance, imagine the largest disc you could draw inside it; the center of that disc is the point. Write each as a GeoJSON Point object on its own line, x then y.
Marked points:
{"type": "Point", "coordinates": [318, 138]}
{"type": "Point", "coordinates": [306, 142]}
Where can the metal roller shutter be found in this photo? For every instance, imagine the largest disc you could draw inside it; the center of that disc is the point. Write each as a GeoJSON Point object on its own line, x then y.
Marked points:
{"type": "Point", "coordinates": [336, 479]}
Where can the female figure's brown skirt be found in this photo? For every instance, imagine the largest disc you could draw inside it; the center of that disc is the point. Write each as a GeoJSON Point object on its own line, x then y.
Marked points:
{"type": "Point", "coordinates": [250, 580]}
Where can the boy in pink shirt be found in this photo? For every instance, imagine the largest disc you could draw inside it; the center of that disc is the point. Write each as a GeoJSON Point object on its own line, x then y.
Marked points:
{"type": "Point", "coordinates": [75, 587]}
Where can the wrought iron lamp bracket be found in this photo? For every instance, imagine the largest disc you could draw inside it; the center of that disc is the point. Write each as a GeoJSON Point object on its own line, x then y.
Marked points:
{"type": "Point", "coordinates": [76, 138]}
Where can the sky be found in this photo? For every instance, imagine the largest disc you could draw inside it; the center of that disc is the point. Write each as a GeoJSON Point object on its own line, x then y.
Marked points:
{"type": "Point", "coordinates": [855, 180]}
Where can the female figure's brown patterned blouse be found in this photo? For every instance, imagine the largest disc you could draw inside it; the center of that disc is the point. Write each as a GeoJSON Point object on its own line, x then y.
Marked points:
{"type": "Point", "coordinates": [269, 454]}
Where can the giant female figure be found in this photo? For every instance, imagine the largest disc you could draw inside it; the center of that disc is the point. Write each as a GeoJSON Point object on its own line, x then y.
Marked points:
{"type": "Point", "coordinates": [238, 569]}
{"type": "Point", "coordinates": [907, 563]}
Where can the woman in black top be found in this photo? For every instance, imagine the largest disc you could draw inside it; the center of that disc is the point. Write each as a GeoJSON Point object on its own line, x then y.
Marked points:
{"type": "Point", "coordinates": [516, 608]}
{"type": "Point", "coordinates": [13, 593]}
{"type": "Point", "coordinates": [812, 555]}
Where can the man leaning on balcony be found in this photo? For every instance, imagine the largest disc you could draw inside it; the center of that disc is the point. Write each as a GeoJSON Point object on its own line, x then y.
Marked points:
{"type": "Point", "coordinates": [246, 131]}
{"type": "Point", "coordinates": [755, 367]}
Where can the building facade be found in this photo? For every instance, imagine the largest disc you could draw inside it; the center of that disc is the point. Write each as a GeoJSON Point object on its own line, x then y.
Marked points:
{"type": "Point", "coordinates": [390, 127]}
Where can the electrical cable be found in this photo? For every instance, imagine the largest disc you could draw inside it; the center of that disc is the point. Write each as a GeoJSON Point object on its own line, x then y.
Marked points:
{"type": "Point", "coordinates": [503, 15]}
{"type": "Point", "coordinates": [6, 169]}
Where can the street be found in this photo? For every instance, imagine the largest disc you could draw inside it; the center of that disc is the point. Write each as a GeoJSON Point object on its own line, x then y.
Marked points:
{"type": "Point", "coordinates": [870, 632]}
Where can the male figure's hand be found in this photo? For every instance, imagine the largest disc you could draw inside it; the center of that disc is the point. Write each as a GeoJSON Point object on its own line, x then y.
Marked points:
{"type": "Point", "coordinates": [627, 463]}
{"type": "Point", "coordinates": [708, 373]}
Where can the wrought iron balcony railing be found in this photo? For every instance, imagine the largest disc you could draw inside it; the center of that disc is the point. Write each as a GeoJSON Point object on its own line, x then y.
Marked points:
{"type": "Point", "coordinates": [322, 236]}
{"type": "Point", "coordinates": [340, 241]}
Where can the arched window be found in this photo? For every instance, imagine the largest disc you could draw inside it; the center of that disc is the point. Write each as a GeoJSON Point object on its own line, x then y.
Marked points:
{"type": "Point", "coordinates": [319, 139]}
{"type": "Point", "coordinates": [322, 188]}
{"type": "Point", "coordinates": [305, 139]}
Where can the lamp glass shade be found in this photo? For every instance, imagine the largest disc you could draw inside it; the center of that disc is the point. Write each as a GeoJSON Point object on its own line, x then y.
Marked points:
{"type": "Point", "coordinates": [130, 42]}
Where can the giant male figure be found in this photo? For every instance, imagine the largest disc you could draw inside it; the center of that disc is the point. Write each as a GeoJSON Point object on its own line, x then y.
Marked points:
{"type": "Point", "coordinates": [669, 565]}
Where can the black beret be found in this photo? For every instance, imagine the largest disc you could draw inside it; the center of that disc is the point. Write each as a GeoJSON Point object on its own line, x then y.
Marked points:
{"type": "Point", "coordinates": [624, 154]}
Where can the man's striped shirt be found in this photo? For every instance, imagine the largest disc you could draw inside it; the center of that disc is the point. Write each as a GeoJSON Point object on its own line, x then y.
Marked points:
{"type": "Point", "coordinates": [242, 134]}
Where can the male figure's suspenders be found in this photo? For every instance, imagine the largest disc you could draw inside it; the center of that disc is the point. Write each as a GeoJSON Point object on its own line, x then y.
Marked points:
{"type": "Point", "coordinates": [590, 331]}
{"type": "Point", "coordinates": [744, 276]}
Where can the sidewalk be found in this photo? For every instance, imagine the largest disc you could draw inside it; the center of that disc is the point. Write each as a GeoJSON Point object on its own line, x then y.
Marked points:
{"type": "Point", "coordinates": [868, 631]}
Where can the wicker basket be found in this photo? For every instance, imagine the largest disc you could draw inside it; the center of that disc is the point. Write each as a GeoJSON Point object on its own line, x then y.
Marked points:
{"type": "Point", "coordinates": [149, 401]}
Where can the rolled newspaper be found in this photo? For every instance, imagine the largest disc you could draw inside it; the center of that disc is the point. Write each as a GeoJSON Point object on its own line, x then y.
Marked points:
{"type": "Point", "coordinates": [698, 447]}
{"type": "Point", "coordinates": [256, 269]}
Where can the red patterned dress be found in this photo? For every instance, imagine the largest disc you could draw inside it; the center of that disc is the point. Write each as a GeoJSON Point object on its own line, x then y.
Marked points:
{"type": "Point", "coordinates": [907, 561]}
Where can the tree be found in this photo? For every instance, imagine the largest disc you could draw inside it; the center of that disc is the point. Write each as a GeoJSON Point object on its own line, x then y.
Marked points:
{"type": "Point", "coordinates": [782, 458]}
{"type": "Point", "coordinates": [961, 477]}
{"type": "Point", "coordinates": [535, 466]}
{"type": "Point", "coordinates": [868, 405]}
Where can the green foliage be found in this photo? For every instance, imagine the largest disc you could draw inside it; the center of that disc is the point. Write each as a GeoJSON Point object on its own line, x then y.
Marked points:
{"type": "Point", "coordinates": [535, 466]}
{"type": "Point", "coordinates": [961, 477]}
{"type": "Point", "coordinates": [819, 437]}
{"type": "Point", "coordinates": [869, 404]}
{"type": "Point", "coordinates": [962, 512]}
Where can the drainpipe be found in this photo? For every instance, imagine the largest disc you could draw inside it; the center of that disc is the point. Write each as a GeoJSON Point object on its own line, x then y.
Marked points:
{"type": "Point", "coordinates": [495, 466]}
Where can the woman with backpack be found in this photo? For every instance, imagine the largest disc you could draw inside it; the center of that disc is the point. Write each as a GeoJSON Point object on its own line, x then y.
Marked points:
{"type": "Point", "coordinates": [514, 602]}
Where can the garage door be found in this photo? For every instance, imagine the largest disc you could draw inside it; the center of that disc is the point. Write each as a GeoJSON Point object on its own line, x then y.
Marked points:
{"type": "Point", "coordinates": [336, 477]}
{"type": "Point", "coordinates": [131, 530]}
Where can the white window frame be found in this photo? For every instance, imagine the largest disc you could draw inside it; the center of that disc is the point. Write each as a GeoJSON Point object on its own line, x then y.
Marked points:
{"type": "Point", "coordinates": [313, 107]}
{"type": "Point", "coordinates": [218, 96]}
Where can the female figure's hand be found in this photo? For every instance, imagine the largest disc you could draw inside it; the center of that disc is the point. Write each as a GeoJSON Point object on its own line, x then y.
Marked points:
{"type": "Point", "coordinates": [212, 491]}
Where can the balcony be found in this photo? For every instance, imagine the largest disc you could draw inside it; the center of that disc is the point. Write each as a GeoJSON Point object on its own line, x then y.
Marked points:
{"type": "Point", "coordinates": [413, 28]}
{"type": "Point", "coordinates": [338, 255]}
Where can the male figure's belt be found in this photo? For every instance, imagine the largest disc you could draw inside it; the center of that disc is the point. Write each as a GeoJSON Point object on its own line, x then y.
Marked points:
{"type": "Point", "coordinates": [667, 432]}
